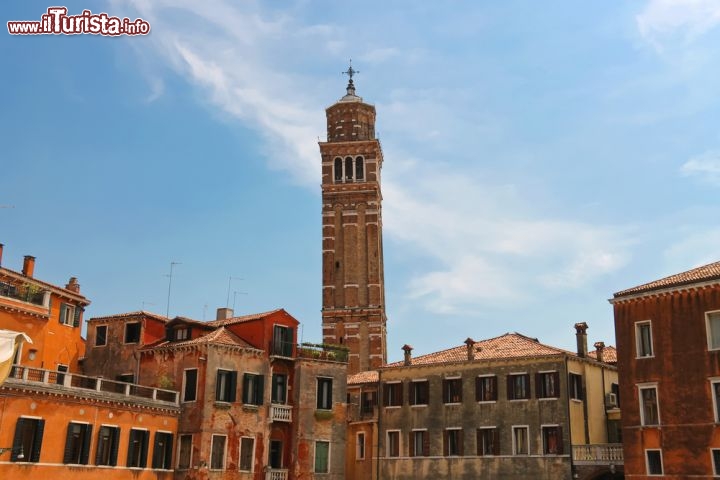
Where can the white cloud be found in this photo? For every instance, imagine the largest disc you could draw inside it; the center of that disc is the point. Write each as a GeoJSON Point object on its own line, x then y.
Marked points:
{"type": "Point", "coordinates": [667, 18]}
{"type": "Point", "coordinates": [705, 166]}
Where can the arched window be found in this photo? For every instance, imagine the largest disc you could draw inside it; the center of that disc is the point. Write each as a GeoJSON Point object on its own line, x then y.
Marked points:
{"type": "Point", "coordinates": [359, 168]}
{"type": "Point", "coordinates": [338, 170]}
{"type": "Point", "coordinates": [348, 169]}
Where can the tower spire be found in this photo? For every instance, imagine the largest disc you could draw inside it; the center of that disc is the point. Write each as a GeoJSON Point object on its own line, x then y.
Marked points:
{"type": "Point", "coordinates": [350, 72]}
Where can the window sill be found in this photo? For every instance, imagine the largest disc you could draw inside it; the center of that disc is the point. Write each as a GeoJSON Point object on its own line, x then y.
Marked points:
{"type": "Point", "coordinates": [547, 398]}
{"type": "Point", "coordinates": [393, 406]}
{"type": "Point", "coordinates": [420, 405]}
{"type": "Point", "coordinates": [486, 402]}
{"type": "Point", "coordinates": [644, 356]}
{"type": "Point", "coordinates": [518, 399]}
{"type": "Point", "coordinates": [452, 403]}
{"type": "Point", "coordinates": [576, 400]}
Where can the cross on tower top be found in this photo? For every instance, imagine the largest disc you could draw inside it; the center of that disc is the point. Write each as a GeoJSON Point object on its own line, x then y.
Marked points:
{"type": "Point", "coordinates": [350, 72]}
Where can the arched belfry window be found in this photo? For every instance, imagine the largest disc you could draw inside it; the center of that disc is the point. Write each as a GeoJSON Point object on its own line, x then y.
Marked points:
{"type": "Point", "coordinates": [338, 170]}
{"type": "Point", "coordinates": [348, 169]}
{"type": "Point", "coordinates": [359, 168]}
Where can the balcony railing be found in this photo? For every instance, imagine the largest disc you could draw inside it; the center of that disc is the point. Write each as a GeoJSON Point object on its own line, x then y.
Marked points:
{"type": "Point", "coordinates": [24, 293]}
{"type": "Point", "coordinates": [335, 353]}
{"type": "Point", "coordinates": [83, 384]}
{"type": "Point", "coordinates": [280, 413]}
{"type": "Point", "coordinates": [276, 474]}
{"type": "Point", "coordinates": [598, 454]}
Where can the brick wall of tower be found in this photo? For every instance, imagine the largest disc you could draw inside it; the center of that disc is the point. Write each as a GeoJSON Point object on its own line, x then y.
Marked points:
{"type": "Point", "coordinates": [352, 289]}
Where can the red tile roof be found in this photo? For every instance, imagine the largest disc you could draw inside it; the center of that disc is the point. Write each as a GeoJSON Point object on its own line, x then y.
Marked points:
{"type": "Point", "coordinates": [363, 377]}
{"type": "Point", "coordinates": [609, 354]}
{"type": "Point", "coordinates": [696, 275]}
{"type": "Point", "coordinates": [139, 313]}
{"type": "Point", "coordinates": [244, 318]}
{"type": "Point", "coordinates": [58, 289]}
{"type": "Point", "coordinates": [220, 336]}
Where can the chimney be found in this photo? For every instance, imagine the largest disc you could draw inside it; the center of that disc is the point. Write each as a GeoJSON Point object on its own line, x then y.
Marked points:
{"type": "Point", "coordinates": [470, 349]}
{"type": "Point", "coordinates": [581, 335]}
{"type": "Point", "coordinates": [73, 285]}
{"type": "Point", "coordinates": [408, 355]}
{"type": "Point", "coordinates": [224, 313]}
{"type": "Point", "coordinates": [28, 266]}
{"type": "Point", "coordinates": [599, 347]}
{"type": "Point", "coordinates": [1, 249]}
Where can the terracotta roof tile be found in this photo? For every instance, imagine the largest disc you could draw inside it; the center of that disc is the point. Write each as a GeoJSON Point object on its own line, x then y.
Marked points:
{"type": "Point", "coordinates": [65, 291]}
{"type": "Point", "coordinates": [139, 313]}
{"type": "Point", "coordinates": [363, 377]}
{"type": "Point", "coordinates": [244, 318]}
{"type": "Point", "coordinates": [609, 354]}
{"type": "Point", "coordinates": [220, 336]}
{"type": "Point", "coordinates": [699, 274]}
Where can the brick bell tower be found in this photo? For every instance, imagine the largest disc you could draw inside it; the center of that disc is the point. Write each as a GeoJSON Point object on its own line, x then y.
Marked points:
{"type": "Point", "coordinates": [353, 312]}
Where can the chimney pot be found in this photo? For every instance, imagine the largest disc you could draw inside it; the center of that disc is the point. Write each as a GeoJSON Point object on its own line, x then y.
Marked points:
{"type": "Point", "coordinates": [470, 349]}
{"type": "Point", "coordinates": [28, 266]}
{"type": "Point", "coordinates": [224, 313]}
{"type": "Point", "coordinates": [73, 285]}
{"type": "Point", "coordinates": [581, 337]}
{"type": "Point", "coordinates": [408, 354]}
{"type": "Point", "coordinates": [599, 348]}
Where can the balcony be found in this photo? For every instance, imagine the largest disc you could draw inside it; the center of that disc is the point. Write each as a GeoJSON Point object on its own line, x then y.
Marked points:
{"type": "Point", "coordinates": [276, 474]}
{"type": "Point", "coordinates": [280, 413]}
{"type": "Point", "coordinates": [26, 297]}
{"type": "Point", "coordinates": [598, 454]}
{"type": "Point", "coordinates": [333, 353]}
{"type": "Point", "coordinates": [82, 385]}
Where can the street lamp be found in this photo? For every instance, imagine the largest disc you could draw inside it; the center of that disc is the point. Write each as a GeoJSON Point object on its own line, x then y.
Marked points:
{"type": "Point", "coordinates": [20, 456]}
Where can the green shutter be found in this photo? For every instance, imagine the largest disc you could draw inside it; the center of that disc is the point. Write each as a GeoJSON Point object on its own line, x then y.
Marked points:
{"type": "Point", "coordinates": [37, 441]}
{"type": "Point", "coordinates": [87, 435]}
{"type": "Point", "coordinates": [17, 441]}
{"type": "Point", "coordinates": [78, 313]}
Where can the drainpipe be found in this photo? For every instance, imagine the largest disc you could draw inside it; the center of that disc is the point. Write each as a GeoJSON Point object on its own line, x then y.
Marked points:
{"type": "Point", "coordinates": [379, 425]}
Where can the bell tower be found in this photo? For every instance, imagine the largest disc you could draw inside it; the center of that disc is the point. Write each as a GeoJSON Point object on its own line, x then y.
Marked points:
{"type": "Point", "coordinates": [353, 289]}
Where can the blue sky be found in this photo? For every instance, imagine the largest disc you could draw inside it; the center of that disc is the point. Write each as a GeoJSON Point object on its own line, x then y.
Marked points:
{"type": "Point", "coordinates": [537, 159]}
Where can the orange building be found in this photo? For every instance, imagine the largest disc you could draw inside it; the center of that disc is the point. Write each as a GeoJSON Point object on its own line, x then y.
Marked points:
{"type": "Point", "coordinates": [50, 315]}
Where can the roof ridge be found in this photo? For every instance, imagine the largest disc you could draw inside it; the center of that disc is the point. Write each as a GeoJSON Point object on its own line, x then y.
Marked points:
{"type": "Point", "coordinates": [710, 271]}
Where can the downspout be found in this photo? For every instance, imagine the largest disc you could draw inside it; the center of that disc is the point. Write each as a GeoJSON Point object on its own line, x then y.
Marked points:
{"type": "Point", "coordinates": [379, 425]}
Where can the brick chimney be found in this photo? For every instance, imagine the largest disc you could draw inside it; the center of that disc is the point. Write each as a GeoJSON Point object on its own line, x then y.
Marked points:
{"type": "Point", "coordinates": [28, 266]}
{"type": "Point", "coordinates": [223, 313]}
{"type": "Point", "coordinates": [470, 349]}
{"type": "Point", "coordinates": [1, 250]}
{"type": "Point", "coordinates": [599, 348]}
{"type": "Point", "coordinates": [73, 285]}
{"type": "Point", "coordinates": [581, 336]}
{"type": "Point", "coordinates": [408, 355]}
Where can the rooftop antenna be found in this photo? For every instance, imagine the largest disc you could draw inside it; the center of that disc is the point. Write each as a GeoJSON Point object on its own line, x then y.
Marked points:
{"type": "Point", "coordinates": [235, 294]}
{"type": "Point", "coordinates": [172, 266]}
{"type": "Point", "coordinates": [230, 279]}
{"type": "Point", "coordinates": [204, 311]}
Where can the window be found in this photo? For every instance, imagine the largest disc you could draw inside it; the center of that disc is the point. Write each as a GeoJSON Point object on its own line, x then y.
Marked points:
{"type": "Point", "coordinates": [359, 168]}
{"type": "Point", "coordinates": [715, 388]}
{"type": "Point", "coordinates": [615, 388]}
{"type": "Point", "coordinates": [552, 440]}
{"type": "Point", "coordinates": [452, 390]}
{"type": "Point", "coordinates": [520, 441]}
{"type": "Point", "coordinates": [649, 411]}
{"type": "Point", "coordinates": [419, 393]}
{"type": "Point", "coordinates": [452, 445]}
{"type": "Point", "coordinates": [68, 315]}
{"type": "Point", "coordinates": [282, 341]}
{"type": "Point", "coordinates": [322, 454]}
{"type": "Point", "coordinates": [190, 385]}
{"type": "Point", "coordinates": [338, 170]}
{"type": "Point", "coordinates": [486, 389]}
{"type": "Point", "coordinates": [393, 443]}
{"type": "Point", "coordinates": [575, 386]}
{"type": "Point", "coordinates": [107, 446]}
{"type": "Point", "coordinates": [60, 376]}
{"type": "Point", "coordinates": [548, 385]}
{"type": "Point", "coordinates": [138, 448]}
{"type": "Point", "coordinates": [360, 446]}
{"type": "Point", "coordinates": [182, 333]}
{"type": "Point", "coordinates": [162, 451]}
{"type": "Point", "coordinates": [27, 440]}
{"type": "Point", "coordinates": [77, 443]}
{"type": "Point", "coordinates": [518, 386]}
{"type": "Point", "coordinates": [279, 388]}
{"type": "Point", "coordinates": [348, 169]}
{"type": "Point", "coordinates": [324, 393]}
{"type": "Point", "coordinates": [185, 452]}
{"type": "Point", "coordinates": [217, 452]}
{"type": "Point", "coordinates": [368, 400]}
{"type": "Point", "coordinates": [247, 452]}
{"type": "Point", "coordinates": [488, 442]}
{"type": "Point", "coordinates": [643, 339]}
{"type": "Point", "coordinates": [654, 462]}
{"type": "Point", "coordinates": [713, 330]}
{"type": "Point", "coordinates": [101, 335]}
{"type": "Point", "coordinates": [419, 443]}
{"type": "Point", "coordinates": [715, 454]}
{"type": "Point", "coordinates": [225, 386]}
{"type": "Point", "coordinates": [276, 457]}
{"type": "Point", "coordinates": [132, 332]}
{"type": "Point", "coordinates": [392, 394]}
{"type": "Point", "coordinates": [253, 387]}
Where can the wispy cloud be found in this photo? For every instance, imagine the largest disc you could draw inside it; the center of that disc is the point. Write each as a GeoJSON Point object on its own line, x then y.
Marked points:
{"type": "Point", "coordinates": [685, 19]}
{"type": "Point", "coordinates": [706, 167]}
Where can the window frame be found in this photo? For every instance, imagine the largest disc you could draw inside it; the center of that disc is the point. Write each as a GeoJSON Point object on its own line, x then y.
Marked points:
{"type": "Point", "coordinates": [125, 333]}
{"type": "Point", "coordinates": [516, 428]}
{"type": "Point", "coordinates": [639, 347]}
{"type": "Point", "coordinates": [113, 446]}
{"type": "Point", "coordinates": [166, 462]}
{"type": "Point", "coordinates": [284, 389]}
{"type": "Point", "coordinates": [457, 433]}
{"type": "Point", "coordinates": [708, 329]}
{"type": "Point", "coordinates": [389, 451]}
{"type": "Point", "coordinates": [360, 446]}
{"type": "Point", "coordinates": [66, 315]}
{"type": "Point", "coordinates": [715, 394]}
{"type": "Point", "coordinates": [647, 462]}
{"type": "Point", "coordinates": [31, 454]}
{"type": "Point", "coordinates": [252, 454]}
{"type": "Point", "coordinates": [393, 394]}
{"type": "Point", "coordinates": [323, 401]}
{"type": "Point", "coordinates": [419, 393]}
{"type": "Point", "coordinates": [558, 431]}
{"type": "Point", "coordinates": [336, 170]}
{"type": "Point", "coordinates": [77, 447]}
{"type": "Point", "coordinates": [182, 436]}
{"type": "Point", "coordinates": [253, 392]}
{"type": "Point", "coordinates": [715, 460]}
{"type": "Point", "coordinates": [452, 388]}
{"type": "Point", "coordinates": [541, 390]}
{"type": "Point", "coordinates": [327, 459]}
{"type": "Point", "coordinates": [654, 387]}
{"type": "Point", "coordinates": [225, 385]}
{"type": "Point", "coordinates": [481, 444]}
{"type": "Point", "coordinates": [512, 394]}
{"type": "Point", "coordinates": [282, 343]}
{"type": "Point", "coordinates": [359, 162]}
{"type": "Point", "coordinates": [575, 387]}
{"type": "Point", "coordinates": [424, 442]}
{"type": "Point", "coordinates": [224, 452]}
{"type": "Point", "coordinates": [144, 446]}
{"type": "Point", "coordinates": [480, 391]}
{"type": "Point", "coordinates": [97, 336]}
{"type": "Point", "coordinates": [185, 385]}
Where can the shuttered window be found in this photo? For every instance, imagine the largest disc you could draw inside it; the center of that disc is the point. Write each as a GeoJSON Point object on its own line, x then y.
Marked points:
{"type": "Point", "coordinates": [77, 443]}
{"type": "Point", "coordinates": [107, 446]}
{"type": "Point", "coordinates": [27, 441]}
{"type": "Point", "coordinates": [138, 448]}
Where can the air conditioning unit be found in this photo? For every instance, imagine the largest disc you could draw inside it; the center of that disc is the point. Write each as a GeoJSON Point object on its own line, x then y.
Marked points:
{"type": "Point", "coordinates": [611, 400]}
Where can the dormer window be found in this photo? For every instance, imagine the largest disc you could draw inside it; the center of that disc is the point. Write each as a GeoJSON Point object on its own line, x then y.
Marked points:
{"type": "Point", "coordinates": [182, 333]}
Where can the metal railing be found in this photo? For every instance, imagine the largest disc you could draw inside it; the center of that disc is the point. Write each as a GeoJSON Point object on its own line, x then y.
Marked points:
{"type": "Point", "coordinates": [82, 383]}
{"type": "Point", "coordinates": [280, 413]}
{"type": "Point", "coordinates": [598, 454]}
{"type": "Point", "coordinates": [276, 474]}
{"type": "Point", "coordinates": [25, 293]}
{"type": "Point", "coordinates": [336, 353]}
